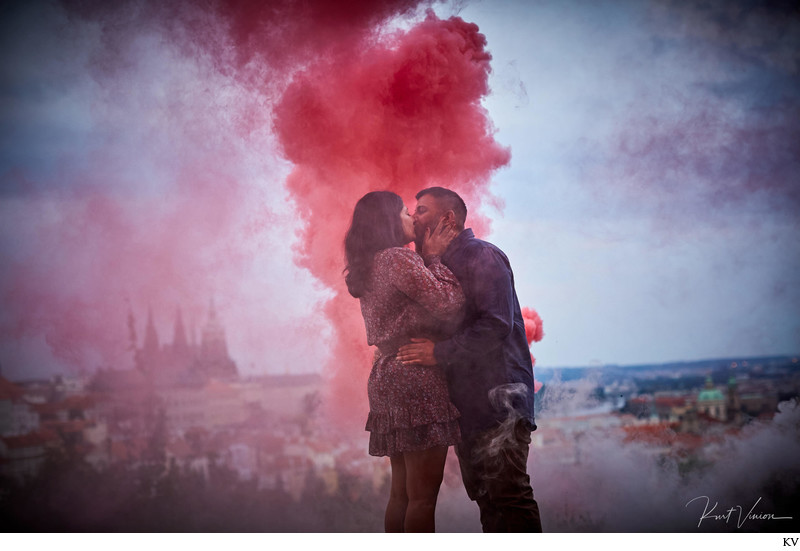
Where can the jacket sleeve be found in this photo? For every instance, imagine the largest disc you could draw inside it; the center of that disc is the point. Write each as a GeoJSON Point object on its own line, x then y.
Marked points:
{"type": "Point", "coordinates": [434, 286]}
{"type": "Point", "coordinates": [492, 302]}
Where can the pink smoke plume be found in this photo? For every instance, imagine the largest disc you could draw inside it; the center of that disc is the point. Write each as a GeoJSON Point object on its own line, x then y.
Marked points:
{"type": "Point", "coordinates": [284, 33]}
{"type": "Point", "coordinates": [159, 209]}
{"type": "Point", "coordinates": [99, 253]}
{"type": "Point", "coordinates": [402, 114]}
{"type": "Point", "coordinates": [178, 203]}
{"type": "Point", "coordinates": [534, 332]}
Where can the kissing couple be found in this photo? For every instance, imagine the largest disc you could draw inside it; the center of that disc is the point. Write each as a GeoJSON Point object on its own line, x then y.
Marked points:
{"type": "Point", "coordinates": [452, 365]}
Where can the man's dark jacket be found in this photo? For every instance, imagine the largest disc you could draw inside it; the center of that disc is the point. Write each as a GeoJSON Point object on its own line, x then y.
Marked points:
{"type": "Point", "coordinates": [488, 358]}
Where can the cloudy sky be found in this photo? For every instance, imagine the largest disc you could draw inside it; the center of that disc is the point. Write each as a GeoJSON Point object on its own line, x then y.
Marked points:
{"type": "Point", "coordinates": [652, 198]}
{"type": "Point", "coordinates": [649, 207]}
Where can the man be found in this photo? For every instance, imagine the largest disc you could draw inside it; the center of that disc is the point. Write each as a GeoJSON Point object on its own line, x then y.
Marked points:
{"type": "Point", "coordinates": [489, 371]}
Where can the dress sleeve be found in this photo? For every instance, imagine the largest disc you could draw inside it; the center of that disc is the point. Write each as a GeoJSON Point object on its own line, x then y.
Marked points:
{"type": "Point", "coordinates": [434, 286]}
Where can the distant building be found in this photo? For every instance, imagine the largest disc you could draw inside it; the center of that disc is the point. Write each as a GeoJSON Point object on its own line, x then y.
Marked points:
{"type": "Point", "coordinates": [214, 405]}
{"type": "Point", "coordinates": [758, 399]}
{"type": "Point", "coordinates": [185, 363]}
{"type": "Point", "coordinates": [23, 456]}
{"type": "Point", "coordinates": [219, 404]}
{"type": "Point", "coordinates": [672, 406]}
{"type": "Point", "coordinates": [182, 363]}
{"type": "Point", "coordinates": [711, 401]}
{"type": "Point", "coordinates": [64, 386]}
{"type": "Point", "coordinates": [297, 394]}
{"type": "Point", "coordinates": [734, 403]}
{"type": "Point", "coordinates": [17, 416]}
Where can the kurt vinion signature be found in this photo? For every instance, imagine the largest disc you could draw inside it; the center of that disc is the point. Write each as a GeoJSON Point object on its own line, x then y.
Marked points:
{"type": "Point", "coordinates": [736, 512]}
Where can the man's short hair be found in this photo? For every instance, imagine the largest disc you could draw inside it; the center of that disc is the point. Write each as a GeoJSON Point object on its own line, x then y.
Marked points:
{"type": "Point", "coordinates": [450, 200]}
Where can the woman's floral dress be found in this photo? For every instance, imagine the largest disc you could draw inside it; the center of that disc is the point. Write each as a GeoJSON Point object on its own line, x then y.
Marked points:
{"type": "Point", "coordinates": [410, 409]}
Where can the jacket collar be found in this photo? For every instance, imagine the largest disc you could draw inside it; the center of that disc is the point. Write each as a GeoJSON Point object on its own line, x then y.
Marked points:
{"type": "Point", "coordinates": [457, 243]}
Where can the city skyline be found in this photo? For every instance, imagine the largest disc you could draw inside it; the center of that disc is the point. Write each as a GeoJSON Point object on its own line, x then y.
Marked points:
{"type": "Point", "coordinates": [257, 441]}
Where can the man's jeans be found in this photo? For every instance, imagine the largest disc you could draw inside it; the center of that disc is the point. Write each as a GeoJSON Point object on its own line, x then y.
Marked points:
{"type": "Point", "coordinates": [494, 471]}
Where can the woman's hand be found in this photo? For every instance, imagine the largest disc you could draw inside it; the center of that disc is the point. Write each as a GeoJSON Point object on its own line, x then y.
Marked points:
{"type": "Point", "coordinates": [436, 240]}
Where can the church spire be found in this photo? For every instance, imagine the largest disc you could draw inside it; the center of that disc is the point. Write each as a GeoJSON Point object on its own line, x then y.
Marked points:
{"type": "Point", "coordinates": [133, 339]}
{"type": "Point", "coordinates": [150, 348]}
{"type": "Point", "coordinates": [215, 360]}
{"type": "Point", "coordinates": [179, 342]}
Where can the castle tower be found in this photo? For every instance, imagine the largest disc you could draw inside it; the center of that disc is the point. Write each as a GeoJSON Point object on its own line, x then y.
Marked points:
{"type": "Point", "coordinates": [133, 339]}
{"type": "Point", "coordinates": [213, 344]}
{"type": "Point", "coordinates": [150, 353]}
{"type": "Point", "coordinates": [214, 359]}
{"type": "Point", "coordinates": [711, 401]}
{"type": "Point", "coordinates": [734, 412]}
{"type": "Point", "coordinates": [184, 361]}
{"type": "Point", "coordinates": [180, 345]}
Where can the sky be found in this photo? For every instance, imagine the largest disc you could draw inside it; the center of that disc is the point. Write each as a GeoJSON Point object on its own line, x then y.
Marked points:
{"type": "Point", "coordinates": [651, 200]}
{"type": "Point", "coordinates": [636, 161]}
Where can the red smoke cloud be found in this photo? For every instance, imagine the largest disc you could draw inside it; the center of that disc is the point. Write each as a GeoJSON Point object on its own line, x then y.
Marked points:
{"type": "Point", "coordinates": [92, 253]}
{"type": "Point", "coordinates": [286, 32]}
{"type": "Point", "coordinates": [403, 114]}
{"type": "Point", "coordinates": [534, 332]}
{"type": "Point", "coordinates": [166, 210]}
{"type": "Point", "coordinates": [258, 42]}
{"type": "Point", "coordinates": [161, 210]}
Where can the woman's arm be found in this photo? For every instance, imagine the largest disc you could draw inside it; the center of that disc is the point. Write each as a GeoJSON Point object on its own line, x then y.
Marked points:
{"type": "Point", "coordinates": [434, 286]}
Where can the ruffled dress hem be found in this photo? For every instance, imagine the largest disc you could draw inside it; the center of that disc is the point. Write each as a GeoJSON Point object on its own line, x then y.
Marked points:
{"type": "Point", "coordinates": [391, 436]}
{"type": "Point", "coordinates": [414, 439]}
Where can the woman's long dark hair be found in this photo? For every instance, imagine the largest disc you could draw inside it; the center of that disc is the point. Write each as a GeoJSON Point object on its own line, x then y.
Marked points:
{"type": "Point", "coordinates": [376, 226]}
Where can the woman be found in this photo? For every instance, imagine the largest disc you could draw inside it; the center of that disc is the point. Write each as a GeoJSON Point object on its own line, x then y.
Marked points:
{"type": "Point", "coordinates": [404, 295]}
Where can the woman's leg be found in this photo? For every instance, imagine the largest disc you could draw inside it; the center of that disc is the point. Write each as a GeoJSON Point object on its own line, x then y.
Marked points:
{"type": "Point", "coordinates": [424, 472]}
{"type": "Point", "coordinates": [395, 517]}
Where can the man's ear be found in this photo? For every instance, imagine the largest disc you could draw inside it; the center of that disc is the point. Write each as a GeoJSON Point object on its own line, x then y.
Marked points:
{"type": "Point", "coordinates": [450, 217]}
